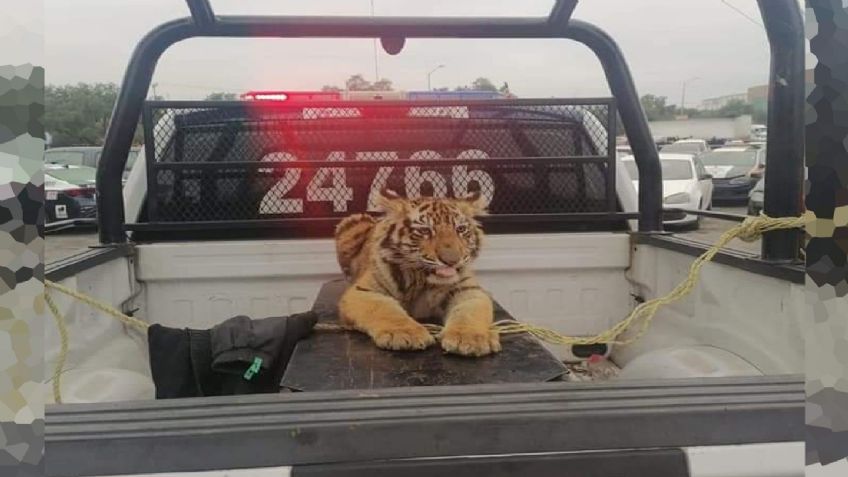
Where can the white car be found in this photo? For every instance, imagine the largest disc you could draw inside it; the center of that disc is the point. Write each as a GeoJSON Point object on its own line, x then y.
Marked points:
{"type": "Point", "coordinates": [686, 184]}
{"type": "Point", "coordinates": [759, 132]}
{"type": "Point", "coordinates": [695, 147]}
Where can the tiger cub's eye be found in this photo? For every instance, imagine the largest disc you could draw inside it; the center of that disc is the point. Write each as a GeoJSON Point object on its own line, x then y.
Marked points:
{"type": "Point", "coordinates": [461, 228]}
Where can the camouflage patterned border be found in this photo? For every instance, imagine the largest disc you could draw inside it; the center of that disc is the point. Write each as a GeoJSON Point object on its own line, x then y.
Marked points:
{"type": "Point", "coordinates": [21, 241]}
{"type": "Point", "coordinates": [21, 246]}
{"type": "Point", "coordinates": [827, 196]}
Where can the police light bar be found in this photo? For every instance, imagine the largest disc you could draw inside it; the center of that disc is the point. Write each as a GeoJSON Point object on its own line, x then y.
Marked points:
{"type": "Point", "coordinates": [262, 96]}
{"type": "Point", "coordinates": [291, 96]}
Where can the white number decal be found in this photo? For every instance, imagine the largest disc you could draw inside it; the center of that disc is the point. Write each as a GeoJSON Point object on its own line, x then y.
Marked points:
{"type": "Point", "coordinates": [274, 201]}
{"type": "Point", "coordinates": [339, 194]}
{"type": "Point", "coordinates": [413, 177]}
{"type": "Point", "coordinates": [461, 177]}
{"type": "Point", "coordinates": [382, 176]}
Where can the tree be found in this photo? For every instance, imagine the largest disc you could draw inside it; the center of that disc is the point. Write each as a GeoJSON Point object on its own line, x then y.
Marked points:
{"type": "Point", "coordinates": [357, 83]}
{"type": "Point", "coordinates": [504, 91]}
{"type": "Point", "coordinates": [220, 96]}
{"type": "Point", "coordinates": [656, 108]}
{"type": "Point", "coordinates": [382, 85]}
{"type": "Point", "coordinates": [79, 114]}
{"type": "Point", "coordinates": [483, 84]}
{"type": "Point", "coordinates": [330, 89]}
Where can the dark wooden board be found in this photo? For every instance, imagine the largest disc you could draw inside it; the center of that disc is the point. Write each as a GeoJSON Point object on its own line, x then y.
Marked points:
{"type": "Point", "coordinates": [350, 360]}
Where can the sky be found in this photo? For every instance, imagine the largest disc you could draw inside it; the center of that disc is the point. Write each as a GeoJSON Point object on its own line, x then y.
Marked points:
{"type": "Point", "coordinates": [666, 42]}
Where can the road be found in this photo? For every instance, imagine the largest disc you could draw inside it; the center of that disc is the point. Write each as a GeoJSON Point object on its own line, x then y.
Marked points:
{"type": "Point", "coordinates": [63, 244]}
{"type": "Point", "coordinates": [67, 243]}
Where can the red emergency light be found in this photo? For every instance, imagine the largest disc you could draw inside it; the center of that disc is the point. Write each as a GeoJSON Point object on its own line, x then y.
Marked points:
{"type": "Point", "coordinates": [291, 96]}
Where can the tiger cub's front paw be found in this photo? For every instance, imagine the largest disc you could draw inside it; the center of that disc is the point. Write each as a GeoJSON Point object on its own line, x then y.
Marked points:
{"type": "Point", "coordinates": [412, 336]}
{"type": "Point", "coordinates": [469, 341]}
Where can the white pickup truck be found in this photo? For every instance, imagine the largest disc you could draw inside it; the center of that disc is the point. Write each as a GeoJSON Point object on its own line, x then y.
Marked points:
{"type": "Point", "coordinates": [231, 213]}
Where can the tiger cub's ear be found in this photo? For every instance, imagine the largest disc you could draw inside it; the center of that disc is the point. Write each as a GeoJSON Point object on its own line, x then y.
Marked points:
{"type": "Point", "coordinates": [391, 203]}
{"type": "Point", "coordinates": [474, 204]}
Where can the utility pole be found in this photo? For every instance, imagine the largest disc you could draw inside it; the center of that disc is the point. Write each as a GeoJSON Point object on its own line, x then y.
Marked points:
{"type": "Point", "coordinates": [376, 65]}
{"type": "Point", "coordinates": [683, 95]}
{"type": "Point", "coordinates": [429, 88]}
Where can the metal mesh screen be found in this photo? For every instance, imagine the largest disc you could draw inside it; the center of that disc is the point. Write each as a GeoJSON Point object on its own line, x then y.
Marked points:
{"type": "Point", "coordinates": [238, 161]}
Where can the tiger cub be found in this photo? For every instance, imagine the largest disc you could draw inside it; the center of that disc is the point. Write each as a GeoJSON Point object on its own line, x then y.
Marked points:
{"type": "Point", "coordinates": [414, 263]}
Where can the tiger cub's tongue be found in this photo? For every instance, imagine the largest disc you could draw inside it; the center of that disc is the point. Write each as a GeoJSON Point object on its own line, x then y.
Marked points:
{"type": "Point", "coordinates": [445, 272]}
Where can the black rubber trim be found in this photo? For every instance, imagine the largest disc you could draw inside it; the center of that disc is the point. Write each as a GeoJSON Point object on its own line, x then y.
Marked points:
{"type": "Point", "coordinates": [709, 213]}
{"type": "Point", "coordinates": [655, 462]}
{"type": "Point", "coordinates": [70, 266]}
{"type": "Point", "coordinates": [59, 225]}
{"type": "Point", "coordinates": [794, 273]}
{"type": "Point", "coordinates": [351, 426]}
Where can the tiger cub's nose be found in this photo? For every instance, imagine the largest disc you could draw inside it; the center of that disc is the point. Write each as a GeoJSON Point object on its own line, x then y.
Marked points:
{"type": "Point", "coordinates": [449, 255]}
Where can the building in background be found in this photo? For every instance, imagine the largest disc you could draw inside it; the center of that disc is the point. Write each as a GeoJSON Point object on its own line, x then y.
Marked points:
{"type": "Point", "coordinates": [758, 96]}
{"type": "Point", "coordinates": [714, 104]}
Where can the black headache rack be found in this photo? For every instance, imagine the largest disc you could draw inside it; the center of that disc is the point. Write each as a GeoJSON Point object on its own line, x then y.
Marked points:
{"type": "Point", "coordinates": [295, 169]}
{"type": "Point", "coordinates": [393, 32]}
{"type": "Point", "coordinates": [781, 18]}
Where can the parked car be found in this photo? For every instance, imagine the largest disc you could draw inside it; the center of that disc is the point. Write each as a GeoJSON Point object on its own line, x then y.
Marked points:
{"type": "Point", "coordinates": [759, 132]}
{"type": "Point", "coordinates": [686, 185]}
{"type": "Point", "coordinates": [73, 155]}
{"type": "Point", "coordinates": [87, 156]}
{"type": "Point", "coordinates": [735, 171]}
{"type": "Point", "coordinates": [69, 196]}
{"type": "Point", "coordinates": [687, 146]}
{"type": "Point", "coordinates": [756, 197]}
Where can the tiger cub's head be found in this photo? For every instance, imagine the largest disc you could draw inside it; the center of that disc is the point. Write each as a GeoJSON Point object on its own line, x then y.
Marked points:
{"type": "Point", "coordinates": [435, 237]}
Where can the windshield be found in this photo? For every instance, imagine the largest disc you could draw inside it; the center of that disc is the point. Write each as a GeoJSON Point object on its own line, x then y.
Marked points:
{"type": "Point", "coordinates": [730, 158]}
{"type": "Point", "coordinates": [672, 169]}
{"type": "Point", "coordinates": [75, 175]}
{"type": "Point", "coordinates": [683, 147]}
{"type": "Point", "coordinates": [68, 158]}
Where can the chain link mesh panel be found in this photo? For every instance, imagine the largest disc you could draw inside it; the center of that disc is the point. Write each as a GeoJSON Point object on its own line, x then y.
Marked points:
{"type": "Point", "coordinates": [239, 161]}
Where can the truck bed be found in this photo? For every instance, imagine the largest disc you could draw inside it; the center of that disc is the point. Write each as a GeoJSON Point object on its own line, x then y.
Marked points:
{"type": "Point", "coordinates": [576, 283]}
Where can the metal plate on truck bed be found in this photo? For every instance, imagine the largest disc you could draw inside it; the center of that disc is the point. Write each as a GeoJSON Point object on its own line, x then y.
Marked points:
{"type": "Point", "coordinates": [350, 360]}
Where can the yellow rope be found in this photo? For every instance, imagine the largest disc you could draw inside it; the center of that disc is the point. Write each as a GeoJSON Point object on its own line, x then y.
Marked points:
{"type": "Point", "coordinates": [63, 329]}
{"type": "Point", "coordinates": [125, 319]}
{"type": "Point", "coordinates": [749, 230]}
{"type": "Point", "coordinates": [63, 347]}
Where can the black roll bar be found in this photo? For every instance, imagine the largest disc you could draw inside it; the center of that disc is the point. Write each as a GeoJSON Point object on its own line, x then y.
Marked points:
{"type": "Point", "coordinates": [201, 12]}
{"type": "Point", "coordinates": [784, 175]}
{"type": "Point", "coordinates": [204, 23]}
{"type": "Point", "coordinates": [561, 13]}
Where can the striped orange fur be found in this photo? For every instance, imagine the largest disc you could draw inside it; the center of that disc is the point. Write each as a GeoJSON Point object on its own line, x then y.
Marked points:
{"type": "Point", "coordinates": [414, 263]}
